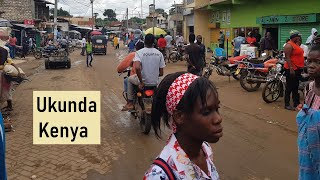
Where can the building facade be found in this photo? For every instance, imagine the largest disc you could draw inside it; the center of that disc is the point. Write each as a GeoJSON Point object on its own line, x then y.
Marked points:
{"type": "Point", "coordinates": [234, 17]}
{"type": "Point", "coordinates": [21, 10]}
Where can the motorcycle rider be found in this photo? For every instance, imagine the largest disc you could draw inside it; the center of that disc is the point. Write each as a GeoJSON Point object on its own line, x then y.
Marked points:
{"type": "Point", "coordinates": [148, 64]}
{"type": "Point", "coordinates": [126, 63]}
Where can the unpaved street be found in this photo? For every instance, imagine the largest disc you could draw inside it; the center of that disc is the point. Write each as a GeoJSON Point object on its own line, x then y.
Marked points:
{"type": "Point", "coordinates": [259, 139]}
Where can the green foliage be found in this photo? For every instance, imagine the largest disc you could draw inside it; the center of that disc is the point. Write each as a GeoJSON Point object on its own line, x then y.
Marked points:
{"type": "Point", "coordinates": [110, 15]}
{"type": "Point", "coordinates": [137, 20]}
{"type": "Point", "coordinates": [60, 12]}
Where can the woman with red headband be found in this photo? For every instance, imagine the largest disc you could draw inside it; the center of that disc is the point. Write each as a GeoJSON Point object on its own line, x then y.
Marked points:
{"type": "Point", "coordinates": [191, 105]}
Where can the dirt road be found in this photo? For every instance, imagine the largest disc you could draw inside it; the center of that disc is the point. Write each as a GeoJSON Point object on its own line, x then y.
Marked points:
{"type": "Point", "coordinates": [259, 139]}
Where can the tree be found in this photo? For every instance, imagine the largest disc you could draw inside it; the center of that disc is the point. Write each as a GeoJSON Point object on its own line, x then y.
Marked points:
{"type": "Point", "coordinates": [60, 12]}
{"type": "Point", "coordinates": [137, 20]}
{"type": "Point", "coordinates": [110, 15]}
{"type": "Point", "coordinates": [161, 11]}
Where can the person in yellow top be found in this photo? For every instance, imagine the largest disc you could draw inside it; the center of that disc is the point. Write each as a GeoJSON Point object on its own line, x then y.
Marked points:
{"type": "Point", "coordinates": [116, 42]}
{"type": "Point", "coordinates": [89, 52]}
{"type": "Point", "coordinates": [5, 84]}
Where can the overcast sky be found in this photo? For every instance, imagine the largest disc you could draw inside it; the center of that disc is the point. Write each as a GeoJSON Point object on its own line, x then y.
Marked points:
{"type": "Point", "coordinates": [83, 7]}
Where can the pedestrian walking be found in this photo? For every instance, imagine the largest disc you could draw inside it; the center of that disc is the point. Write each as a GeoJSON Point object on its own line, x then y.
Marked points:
{"type": "Point", "coordinates": [267, 45]}
{"type": "Point", "coordinates": [116, 42]}
{"type": "Point", "coordinates": [162, 43]}
{"type": "Point", "coordinates": [169, 40]}
{"type": "Point", "coordinates": [194, 57]}
{"type": "Point", "coordinates": [13, 45]}
{"type": "Point", "coordinates": [293, 68]}
{"type": "Point", "coordinates": [89, 52]}
{"type": "Point", "coordinates": [193, 112]}
{"type": "Point", "coordinates": [6, 89]}
{"type": "Point", "coordinates": [221, 40]}
{"type": "Point", "coordinates": [308, 119]}
{"type": "Point", "coordinates": [83, 46]}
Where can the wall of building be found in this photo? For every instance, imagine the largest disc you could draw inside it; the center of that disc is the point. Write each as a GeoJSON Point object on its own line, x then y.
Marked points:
{"type": "Point", "coordinates": [17, 10]}
{"type": "Point", "coordinates": [201, 22]}
{"type": "Point", "coordinates": [246, 14]}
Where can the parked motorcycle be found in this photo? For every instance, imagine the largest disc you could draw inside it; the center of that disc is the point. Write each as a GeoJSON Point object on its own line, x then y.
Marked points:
{"type": "Point", "coordinates": [253, 74]}
{"type": "Point", "coordinates": [223, 66]}
{"type": "Point", "coordinates": [142, 105]}
{"type": "Point", "coordinates": [49, 52]}
{"type": "Point", "coordinates": [275, 87]}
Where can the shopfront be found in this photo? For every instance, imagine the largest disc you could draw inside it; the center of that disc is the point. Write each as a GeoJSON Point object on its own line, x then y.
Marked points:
{"type": "Point", "coordinates": [280, 26]}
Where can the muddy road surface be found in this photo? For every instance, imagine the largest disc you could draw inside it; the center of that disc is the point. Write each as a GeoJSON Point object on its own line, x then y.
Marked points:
{"type": "Point", "coordinates": [259, 139]}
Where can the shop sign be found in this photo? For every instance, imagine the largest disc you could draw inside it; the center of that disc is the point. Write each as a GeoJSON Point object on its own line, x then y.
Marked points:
{"type": "Point", "coordinates": [306, 18]}
{"type": "Point", "coordinates": [28, 22]}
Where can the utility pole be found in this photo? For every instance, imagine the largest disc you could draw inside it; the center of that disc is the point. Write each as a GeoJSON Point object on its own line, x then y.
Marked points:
{"type": "Point", "coordinates": [127, 20]}
{"type": "Point", "coordinates": [92, 14]}
{"type": "Point", "coordinates": [154, 11]}
{"type": "Point", "coordinates": [55, 31]}
{"type": "Point", "coordinates": [176, 24]}
{"type": "Point", "coordinates": [141, 11]}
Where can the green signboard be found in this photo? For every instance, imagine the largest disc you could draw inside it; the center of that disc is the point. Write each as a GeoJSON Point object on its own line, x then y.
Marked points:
{"type": "Point", "coordinates": [290, 19]}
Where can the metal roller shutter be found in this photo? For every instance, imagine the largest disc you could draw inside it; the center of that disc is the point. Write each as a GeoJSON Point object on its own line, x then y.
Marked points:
{"type": "Point", "coordinates": [305, 30]}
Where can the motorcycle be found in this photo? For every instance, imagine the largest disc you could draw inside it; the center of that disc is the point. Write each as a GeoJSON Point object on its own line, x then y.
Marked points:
{"type": "Point", "coordinates": [223, 66]}
{"type": "Point", "coordinates": [142, 104]}
{"type": "Point", "coordinates": [49, 51]}
{"type": "Point", "coordinates": [177, 53]}
{"type": "Point", "coordinates": [275, 86]}
{"type": "Point", "coordinates": [253, 74]}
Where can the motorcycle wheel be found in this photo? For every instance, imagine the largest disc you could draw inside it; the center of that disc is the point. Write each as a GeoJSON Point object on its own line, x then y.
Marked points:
{"type": "Point", "coordinates": [145, 123]}
{"type": "Point", "coordinates": [46, 64]}
{"type": "Point", "coordinates": [272, 91]}
{"type": "Point", "coordinates": [38, 54]}
{"type": "Point", "coordinates": [173, 57]}
{"type": "Point", "coordinates": [248, 86]}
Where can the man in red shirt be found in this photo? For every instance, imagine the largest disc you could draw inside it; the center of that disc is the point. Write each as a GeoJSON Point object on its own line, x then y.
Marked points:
{"type": "Point", "coordinates": [162, 43]}
{"type": "Point", "coordinates": [12, 43]}
{"type": "Point", "coordinates": [251, 40]}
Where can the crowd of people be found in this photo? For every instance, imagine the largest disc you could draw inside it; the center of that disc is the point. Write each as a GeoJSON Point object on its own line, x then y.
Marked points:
{"type": "Point", "coordinates": [175, 96]}
{"type": "Point", "coordinates": [189, 104]}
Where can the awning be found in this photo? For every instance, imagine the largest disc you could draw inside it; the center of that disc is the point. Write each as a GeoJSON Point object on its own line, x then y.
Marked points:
{"type": "Point", "coordinates": [24, 26]}
{"type": "Point", "coordinates": [44, 1]}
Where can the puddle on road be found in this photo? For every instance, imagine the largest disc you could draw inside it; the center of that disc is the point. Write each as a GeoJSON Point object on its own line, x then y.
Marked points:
{"type": "Point", "coordinates": [114, 105]}
{"type": "Point", "coordinates": [77, 63]}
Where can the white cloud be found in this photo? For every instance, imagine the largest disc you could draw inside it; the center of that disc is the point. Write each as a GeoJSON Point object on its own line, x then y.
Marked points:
{"type": "Point", "coordinates": [83, 7]}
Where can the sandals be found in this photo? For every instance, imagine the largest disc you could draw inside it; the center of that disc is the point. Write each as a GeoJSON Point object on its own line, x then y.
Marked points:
{"type": "Point", "coordinates": [7, 124]}
{"type": "Point", "coordinates": [5, 109]}
{"type": "Point", "coordinates": [126, 108]}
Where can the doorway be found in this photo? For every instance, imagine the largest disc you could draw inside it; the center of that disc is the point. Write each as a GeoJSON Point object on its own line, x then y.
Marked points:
{"type": "Point", "coordinates": [191, 29]}
{"type": "Point", "coordinates": [274, 34]}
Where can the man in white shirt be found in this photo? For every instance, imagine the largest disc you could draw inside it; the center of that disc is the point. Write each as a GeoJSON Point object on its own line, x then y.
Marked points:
{"type": "Point", "coordinates": [83, 46]}
{"type": "Point", "coordinates": [148, 63]}
{"type": "Point", "coordinates": [169, 39]}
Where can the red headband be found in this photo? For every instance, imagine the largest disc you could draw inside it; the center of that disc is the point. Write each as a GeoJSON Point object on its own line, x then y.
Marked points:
{"type": "Point", "coordinates": [177, 90]}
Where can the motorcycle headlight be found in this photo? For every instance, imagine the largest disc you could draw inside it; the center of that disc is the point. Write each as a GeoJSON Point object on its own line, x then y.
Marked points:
{"type": "Point", "coordinates": [278, 67]}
